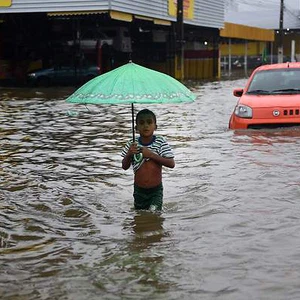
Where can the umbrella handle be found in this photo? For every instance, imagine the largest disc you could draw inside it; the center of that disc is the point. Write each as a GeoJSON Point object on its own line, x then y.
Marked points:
{"type": "Point", "coordinates": [138, 157]}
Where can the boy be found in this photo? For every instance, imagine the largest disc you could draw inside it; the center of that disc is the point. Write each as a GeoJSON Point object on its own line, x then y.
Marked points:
{"type": "Point", "coordinates": [156, 152]}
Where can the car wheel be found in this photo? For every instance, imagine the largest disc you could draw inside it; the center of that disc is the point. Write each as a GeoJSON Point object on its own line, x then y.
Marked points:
{"type": "Point", "coordinates": [43, 81]}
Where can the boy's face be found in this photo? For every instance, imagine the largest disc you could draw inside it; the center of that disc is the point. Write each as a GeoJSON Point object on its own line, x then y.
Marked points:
{"type": "Point", "coordinates": [146, 125]}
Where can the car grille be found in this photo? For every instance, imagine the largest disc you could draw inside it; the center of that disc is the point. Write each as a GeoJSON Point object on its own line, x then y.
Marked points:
{"type": "Point", "coordinates": [275, 118]}
{"type": "Point", "coordinates": [291, 112]}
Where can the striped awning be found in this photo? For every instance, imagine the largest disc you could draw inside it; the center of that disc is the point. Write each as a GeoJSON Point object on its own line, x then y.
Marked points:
{"type": "Point", "coordinates": [75, 13]}
{"type": "Point", "coordinates": [116, 15]}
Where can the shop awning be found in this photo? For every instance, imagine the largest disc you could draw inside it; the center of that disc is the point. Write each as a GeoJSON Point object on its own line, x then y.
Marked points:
{"type": "Point", "coordinates": [155, 21]}
{"type": "Point", "coordinates": [121, 16]}
{"type": "Point", "coordinates": [162, 22]}
{"type": "Point", "coordinates": [116, 15]}
{"type": "Point", "coordinates": [244, 32]}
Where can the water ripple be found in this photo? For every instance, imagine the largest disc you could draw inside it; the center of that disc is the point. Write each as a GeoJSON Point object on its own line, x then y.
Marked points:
{"type": "Point", "coordinates": [229, 228]}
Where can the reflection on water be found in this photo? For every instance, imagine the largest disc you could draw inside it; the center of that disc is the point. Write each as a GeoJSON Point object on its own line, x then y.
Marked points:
{"type": "Point", "coordinates": [145, 263]}
{"type": "Point", "coordinates": [147, 228]}
{"type": "Point", "coordinates": [230, 224]}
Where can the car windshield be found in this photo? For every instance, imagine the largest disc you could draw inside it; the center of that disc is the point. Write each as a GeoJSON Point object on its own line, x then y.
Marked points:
{"type": "Point", "coordinates": [279, 81]}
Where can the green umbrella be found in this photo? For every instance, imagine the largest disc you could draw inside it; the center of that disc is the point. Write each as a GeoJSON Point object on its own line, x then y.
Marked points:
{"type": "Point", "coordinates": [129, 84]}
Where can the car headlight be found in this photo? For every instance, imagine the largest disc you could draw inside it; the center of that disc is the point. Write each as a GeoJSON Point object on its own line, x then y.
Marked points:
{"type": "Point", "coordinates": [32, 75]}
{"type": "Point", "coordinates": [243, 111]}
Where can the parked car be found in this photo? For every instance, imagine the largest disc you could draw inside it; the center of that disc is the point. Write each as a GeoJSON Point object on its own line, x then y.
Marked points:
{"type": "Point", "coordinates": [62, 75]}
{"type": "Point", "coordinates": [117, 37]}
{"type": "Point", "coordinates": [270, 99]}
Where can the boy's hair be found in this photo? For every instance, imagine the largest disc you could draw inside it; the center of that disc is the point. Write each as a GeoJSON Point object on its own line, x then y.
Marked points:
{"type": "Point", "coordinates": [145, 112]}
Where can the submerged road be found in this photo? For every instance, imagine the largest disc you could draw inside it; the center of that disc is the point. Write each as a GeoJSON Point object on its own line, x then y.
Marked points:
{"type": "Point", "coordinates": [230, 228]}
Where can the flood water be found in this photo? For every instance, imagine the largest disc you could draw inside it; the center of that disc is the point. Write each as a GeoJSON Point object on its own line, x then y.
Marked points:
{"type": "Point", "coordinates": [230, 227]}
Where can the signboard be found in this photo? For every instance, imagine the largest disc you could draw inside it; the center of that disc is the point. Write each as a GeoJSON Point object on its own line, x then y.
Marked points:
{"type": "Point", "coordinates": [188, 8]}
{"type": "Point", "coordinates": [5, 3]}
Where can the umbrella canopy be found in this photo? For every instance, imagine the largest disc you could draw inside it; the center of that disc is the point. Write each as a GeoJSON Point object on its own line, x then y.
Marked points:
{"type": "Point", "coordinates": [129, 84]}
{"type": "Point", "coordinates": [132, 83]}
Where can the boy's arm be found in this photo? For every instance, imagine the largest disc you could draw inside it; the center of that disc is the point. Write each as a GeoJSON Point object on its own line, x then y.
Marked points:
{"type": "Point", "coordinates": [167, 162]}
{"type": "Point", "coordinates": [126, 162]}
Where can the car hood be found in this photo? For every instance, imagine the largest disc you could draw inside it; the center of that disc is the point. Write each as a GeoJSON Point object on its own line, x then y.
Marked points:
{"type": "Point", "coordinates": [256, 101]}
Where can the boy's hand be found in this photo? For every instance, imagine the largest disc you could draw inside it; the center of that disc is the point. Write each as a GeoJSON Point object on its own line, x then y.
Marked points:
{"type": "Point", "coordinates": [164, 161]}
{"type": "Point", "coordinates": [146, 152]}
{"type": "Point", "coordinates": [134, 149]}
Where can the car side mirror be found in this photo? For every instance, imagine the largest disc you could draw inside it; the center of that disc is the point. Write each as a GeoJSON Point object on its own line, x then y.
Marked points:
{"type": "Point", "coordinates": [238, 92]}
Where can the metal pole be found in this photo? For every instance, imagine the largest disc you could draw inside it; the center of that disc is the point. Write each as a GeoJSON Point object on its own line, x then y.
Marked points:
{"type": "Point", "coordinates": [180, 41]}
{"type": "Point", "coordinates": [132, 122]}
{"type": "Point", "coordinates": [293, 44]}
{"type": "Point", "coordinates": [280, 46]}
{"type": "Point", "coordinates": [245, 58]}
{"type": "Point", "coordinates": [229, 56]}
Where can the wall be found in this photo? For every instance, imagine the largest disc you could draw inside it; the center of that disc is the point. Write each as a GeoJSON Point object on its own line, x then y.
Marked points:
{"type": "Point", "coordinates": [253, 48]}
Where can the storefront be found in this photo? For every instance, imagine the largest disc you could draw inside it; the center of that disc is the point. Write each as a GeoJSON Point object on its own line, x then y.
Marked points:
{"type": "Point", "coordinates": [51, 34]}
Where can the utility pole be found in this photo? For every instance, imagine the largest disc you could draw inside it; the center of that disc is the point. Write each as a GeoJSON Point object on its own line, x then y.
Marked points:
{"type": "Point", "coordinates": [280, 46]}
{"type": "Point", "coordinates": [179, 63]}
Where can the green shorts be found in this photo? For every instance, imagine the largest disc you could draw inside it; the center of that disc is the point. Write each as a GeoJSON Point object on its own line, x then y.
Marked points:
{"type": "Point", "coordinates": [148, 198]}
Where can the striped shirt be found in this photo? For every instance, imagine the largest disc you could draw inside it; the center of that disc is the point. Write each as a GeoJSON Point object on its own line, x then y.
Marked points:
{"type": "Point", "coordinates": [158, 145]}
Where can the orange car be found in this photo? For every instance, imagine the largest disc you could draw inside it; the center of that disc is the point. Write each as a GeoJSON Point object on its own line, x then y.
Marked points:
{"type": "Point", "coordinates": [270, 99]}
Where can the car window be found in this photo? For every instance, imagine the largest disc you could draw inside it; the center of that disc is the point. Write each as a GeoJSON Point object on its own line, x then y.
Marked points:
{"type": "Point", "coordinates": [270, 80]}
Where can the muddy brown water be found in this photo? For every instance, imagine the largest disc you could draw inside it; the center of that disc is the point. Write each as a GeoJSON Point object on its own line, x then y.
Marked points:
{"type": "Point", "coordinates": [230, 228]}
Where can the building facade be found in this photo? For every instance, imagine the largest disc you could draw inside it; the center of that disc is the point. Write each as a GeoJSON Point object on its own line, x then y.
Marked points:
{"type": "Point", "coordinates": [34, 33]}
{"type": "Point", "coordinates": [197, 12]}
